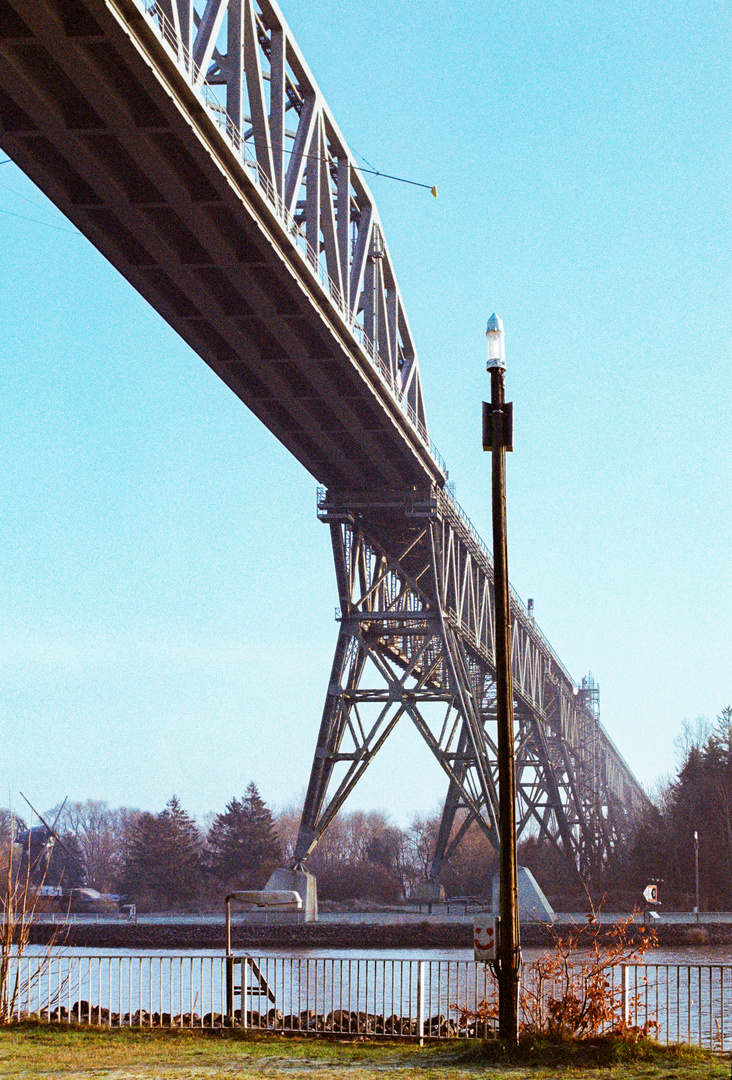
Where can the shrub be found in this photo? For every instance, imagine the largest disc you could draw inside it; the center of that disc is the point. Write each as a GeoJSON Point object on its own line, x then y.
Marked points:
{"type": "Point", "coordinates": [571, 992]}
{"type": "Point", "coordinates": [19, 906]}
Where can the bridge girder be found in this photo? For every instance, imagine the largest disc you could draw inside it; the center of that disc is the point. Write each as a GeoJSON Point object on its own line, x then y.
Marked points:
{"type": "Point", "coordinates": [158, 127]}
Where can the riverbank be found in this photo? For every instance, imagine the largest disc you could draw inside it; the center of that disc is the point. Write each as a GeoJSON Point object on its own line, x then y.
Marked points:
{"type": "Point", "coordinates": [58, 1053]}
{"type": "Point", "coordinates": [349, 934]}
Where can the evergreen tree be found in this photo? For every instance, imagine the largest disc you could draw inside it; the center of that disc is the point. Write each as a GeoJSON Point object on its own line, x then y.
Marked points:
{"type": "Point", "coordinates": [698, 800]}
{"type": "Point", "coordinates": [244, 847]}
{"type": "Point", "coordinates": [702, 802]}
{"type": "Point", "coordinates": [162, 863]}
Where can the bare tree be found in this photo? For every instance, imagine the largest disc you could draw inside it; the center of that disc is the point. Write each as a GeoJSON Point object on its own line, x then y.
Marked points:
{"type": "Point", "coordinates": [101, 833]}
{"type": "Point", "coordinates": [694, 735]}
{"type": "Point", "coordinates": [287, 823]}
{"type": "Point", "coordinates": [421, 838]}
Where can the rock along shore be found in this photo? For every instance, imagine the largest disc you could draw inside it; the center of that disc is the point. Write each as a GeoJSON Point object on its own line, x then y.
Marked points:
{"type": "Point", "coordinates": [346, 935]}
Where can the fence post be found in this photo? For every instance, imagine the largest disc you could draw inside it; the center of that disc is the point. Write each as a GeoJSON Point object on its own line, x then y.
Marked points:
{"type": "Point", "coordinates": [230, 989]}
{"type": "Point", "coordinates": [420, 1001]}
{"type": "Point", "coordinates": [625, 995]}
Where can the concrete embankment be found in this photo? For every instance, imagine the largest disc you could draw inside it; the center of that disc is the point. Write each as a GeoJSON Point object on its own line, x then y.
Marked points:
{"type": "Point", "coordinates": [346, 935]}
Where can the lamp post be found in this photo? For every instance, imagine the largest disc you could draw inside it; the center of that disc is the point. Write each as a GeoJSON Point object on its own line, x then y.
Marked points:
{"type": "Point", "coordinates": [498, 437]}
{"type": "Point", "coordinates": [260, 898]}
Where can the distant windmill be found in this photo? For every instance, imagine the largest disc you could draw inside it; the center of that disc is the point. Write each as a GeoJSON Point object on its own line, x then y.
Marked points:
{"type": "Point", "coordinates": [38, 844]}
{"type": "Point", "coordinates": [69, 878]}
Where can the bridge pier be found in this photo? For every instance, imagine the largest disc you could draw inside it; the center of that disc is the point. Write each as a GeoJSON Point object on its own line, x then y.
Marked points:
{"type": "Point", "coordinates": [288, 879]}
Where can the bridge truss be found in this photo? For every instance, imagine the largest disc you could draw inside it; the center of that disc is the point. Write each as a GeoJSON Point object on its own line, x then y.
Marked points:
{"type": "Point", "coordinates": [416, 641]}
{"type": "Point", "coordinates": [189, 141]}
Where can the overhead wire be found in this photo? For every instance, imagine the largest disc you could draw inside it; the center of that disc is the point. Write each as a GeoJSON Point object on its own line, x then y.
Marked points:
{"type": "Point", "coordinates": [25, 217]}
{"type": "Point", "coordinates": [372, 171]}
{"type": "Point", "coordinates": [416, 183]}
{"type": "Point", "coordinates": [37, 221]}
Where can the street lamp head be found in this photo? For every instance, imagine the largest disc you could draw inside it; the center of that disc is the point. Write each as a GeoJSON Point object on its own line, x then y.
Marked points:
{"type": "Point", "coordinates": [496, 344]}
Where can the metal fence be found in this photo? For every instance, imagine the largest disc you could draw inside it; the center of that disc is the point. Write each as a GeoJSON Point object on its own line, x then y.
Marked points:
{"type": "Point", "coordinates": [402, 999]}
{"type": "Point", "coordinates": [387, 998]}
{"type": "Point", "coordinates": [119, 990]}
{"type": "Point", "coordinates": [686, 1003]}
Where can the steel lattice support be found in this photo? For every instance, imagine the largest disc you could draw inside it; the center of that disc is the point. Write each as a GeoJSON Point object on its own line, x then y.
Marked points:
{"type": "Point", "coordinates": [415, 641]}
{"type": "Point", "coordinates": [416, 668]}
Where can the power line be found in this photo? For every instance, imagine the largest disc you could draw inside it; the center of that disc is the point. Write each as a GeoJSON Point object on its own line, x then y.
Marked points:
{"type": "Point", "coordinates": [24, 217]}
{"type": "Point", "coordinates": [373, 171]}
{"type": "Point", "coordinates": [17, 194]}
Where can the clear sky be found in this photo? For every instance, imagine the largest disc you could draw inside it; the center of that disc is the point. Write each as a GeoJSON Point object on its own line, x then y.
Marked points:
{"type": "Point", "coordinates": [167, 596]}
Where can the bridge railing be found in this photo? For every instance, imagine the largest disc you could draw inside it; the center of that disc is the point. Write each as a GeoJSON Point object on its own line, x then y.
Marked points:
{"type": "Point", "coordinates": [453, 506]}
{"type": "Point", "coordinates": [443, 501]}
{"type": "Point", "coordinates": [196, 78]}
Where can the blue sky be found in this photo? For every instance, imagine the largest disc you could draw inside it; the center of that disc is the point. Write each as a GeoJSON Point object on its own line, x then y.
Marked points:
{"type": "Point", "coordinates": [167, 597]}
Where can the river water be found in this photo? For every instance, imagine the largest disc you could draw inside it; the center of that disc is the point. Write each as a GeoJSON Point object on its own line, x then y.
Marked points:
{"type": "Point", "coordinates": [678, 954]}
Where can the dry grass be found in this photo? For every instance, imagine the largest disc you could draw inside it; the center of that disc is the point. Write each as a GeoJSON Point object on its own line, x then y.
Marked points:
{"type": "Point", "coordinates": [56, 1053]}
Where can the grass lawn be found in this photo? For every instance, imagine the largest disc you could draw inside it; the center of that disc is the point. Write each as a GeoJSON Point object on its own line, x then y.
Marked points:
{"type": "Point", "coordinates": [51, 1052]}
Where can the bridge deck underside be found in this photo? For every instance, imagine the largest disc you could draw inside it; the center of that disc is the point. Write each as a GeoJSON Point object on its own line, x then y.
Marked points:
{"type": "Point", "coordinates": [93, 111]}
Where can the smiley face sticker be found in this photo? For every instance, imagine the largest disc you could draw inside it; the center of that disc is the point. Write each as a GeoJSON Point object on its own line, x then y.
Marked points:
{"type": "Point", "coordinates": [484, 939]}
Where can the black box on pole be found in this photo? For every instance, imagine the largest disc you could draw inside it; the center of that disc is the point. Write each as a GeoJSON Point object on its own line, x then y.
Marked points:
{"type": "Point", "coordinates": [507, 425]}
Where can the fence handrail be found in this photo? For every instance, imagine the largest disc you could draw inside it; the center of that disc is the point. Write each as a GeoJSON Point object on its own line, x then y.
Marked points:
{"type": "Point", "coordinates": [371, 996]}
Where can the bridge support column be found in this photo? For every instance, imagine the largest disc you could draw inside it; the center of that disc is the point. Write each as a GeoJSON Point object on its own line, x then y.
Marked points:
{"type": "Point", "coordinates": [299, 881]}
{"type": "Point", "coordinates": [416, 641]}
{"type": "Point", "coordinates": [397, 655]}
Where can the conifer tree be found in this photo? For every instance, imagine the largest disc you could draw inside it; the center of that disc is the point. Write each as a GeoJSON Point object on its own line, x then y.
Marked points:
{"type": "Point", "coordinates": [162, 864]}
{"type": "Point", "coordinates": [244, 847]}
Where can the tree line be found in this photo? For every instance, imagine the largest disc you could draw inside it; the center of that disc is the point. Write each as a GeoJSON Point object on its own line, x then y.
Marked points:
{"type": "Point", "coordinates": [697, 800]}
{"type": "Point", "coordinates": [166, 860]}
{"type": "Point", "coordinates": [157, 861]}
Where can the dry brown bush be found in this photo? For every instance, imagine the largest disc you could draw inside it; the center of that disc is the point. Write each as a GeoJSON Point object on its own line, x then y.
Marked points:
{"type": "Point", "coordinates": [571, 992]}
{"type": "Point", "coordinates": [19, 908]}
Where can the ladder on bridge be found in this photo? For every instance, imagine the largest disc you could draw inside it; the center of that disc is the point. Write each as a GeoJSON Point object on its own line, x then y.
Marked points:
{"type": "Point", "coordinates": [243, 989]}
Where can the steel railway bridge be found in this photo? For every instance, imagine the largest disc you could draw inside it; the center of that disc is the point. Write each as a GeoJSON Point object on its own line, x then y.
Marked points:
{"type": "Point", "coordinates": [188, 140]}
